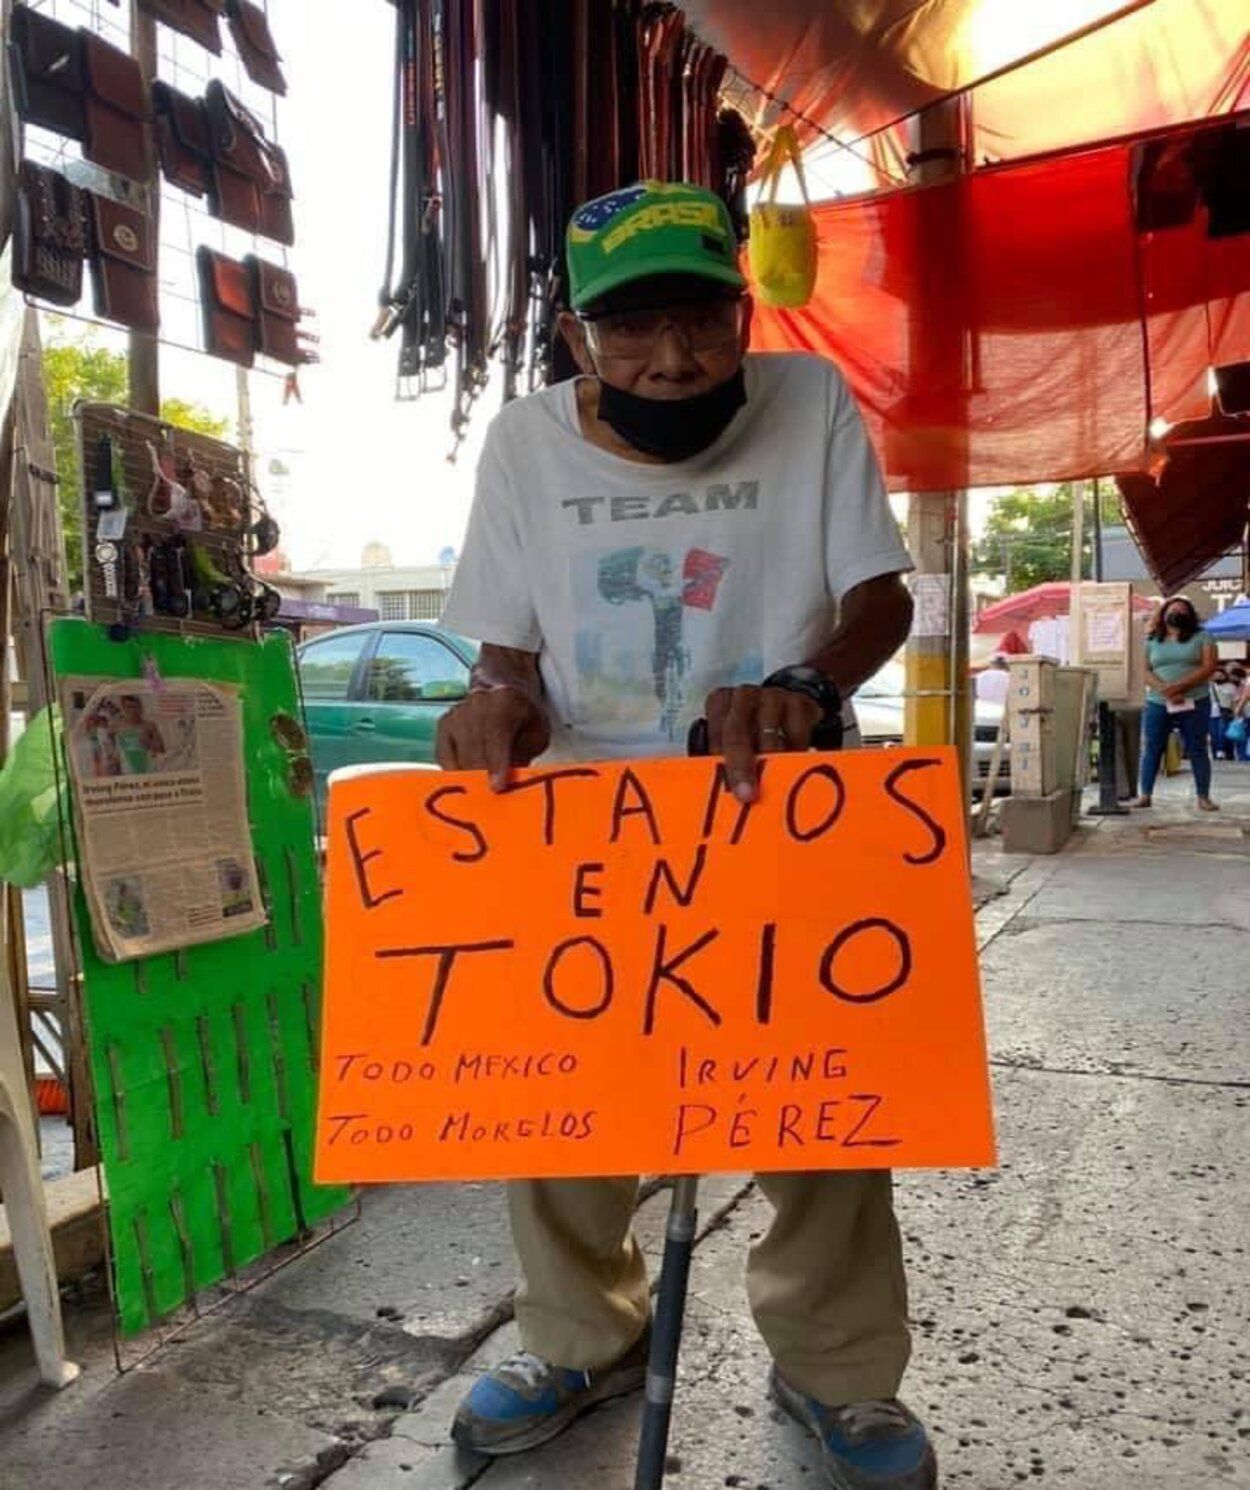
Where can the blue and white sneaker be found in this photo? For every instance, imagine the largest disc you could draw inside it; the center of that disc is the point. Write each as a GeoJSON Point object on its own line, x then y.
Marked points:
{"type": "Point", "coordinates": [526, 1401]}
{"type": "Point", "coordinates": [865, 1445]}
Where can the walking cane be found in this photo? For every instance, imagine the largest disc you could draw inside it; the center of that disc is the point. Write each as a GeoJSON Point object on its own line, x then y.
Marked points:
{"type": "Point", "coordinates": [679, 1237]}
{"type": "Point", "coordinates": [670, 1312]}
{"type": "Point", "coordinates": [670, 1302]}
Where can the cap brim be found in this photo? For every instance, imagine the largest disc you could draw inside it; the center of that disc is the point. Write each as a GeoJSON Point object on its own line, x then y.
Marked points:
{"type": "Point", "coordinates": [664, 264]}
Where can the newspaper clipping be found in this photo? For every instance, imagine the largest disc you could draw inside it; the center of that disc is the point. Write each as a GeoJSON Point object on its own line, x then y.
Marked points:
{"type": "Point", "coordinates": [160, 806]}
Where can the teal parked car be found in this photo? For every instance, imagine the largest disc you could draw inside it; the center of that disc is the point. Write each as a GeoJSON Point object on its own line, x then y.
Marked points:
{"type": "Point", "coordinates": [375, 694]}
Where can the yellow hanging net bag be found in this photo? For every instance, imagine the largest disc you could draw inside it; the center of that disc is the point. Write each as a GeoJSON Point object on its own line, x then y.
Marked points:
{"type": "Point", "coordinates": [782, 248]}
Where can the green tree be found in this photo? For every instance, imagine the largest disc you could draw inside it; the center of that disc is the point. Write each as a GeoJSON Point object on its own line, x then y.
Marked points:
{"type": "Point", "coordinates": [1028, 535]}
{"type": "Point", "coordinates": [79, 370]}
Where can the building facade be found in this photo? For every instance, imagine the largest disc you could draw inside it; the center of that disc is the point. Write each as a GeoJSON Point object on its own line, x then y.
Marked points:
{"type": "Point", "coordinates": [396, 593]}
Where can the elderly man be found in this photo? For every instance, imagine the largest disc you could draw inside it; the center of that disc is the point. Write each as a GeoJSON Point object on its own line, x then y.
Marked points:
{"type": "Point", "coordinates": [683, 530]}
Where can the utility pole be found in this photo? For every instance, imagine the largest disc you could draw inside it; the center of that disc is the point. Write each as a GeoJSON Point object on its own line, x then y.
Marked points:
{"type": "Point", "coordinates": [1108, 742]}
{"type": "Point", "coordinates": [144, 360]}
{"type": "Point", "coordinates": [247, 429]}
{"type": "Point", "coordinates": [1078, 534]}
{"type": "Point", "coordinates": [938, 707]}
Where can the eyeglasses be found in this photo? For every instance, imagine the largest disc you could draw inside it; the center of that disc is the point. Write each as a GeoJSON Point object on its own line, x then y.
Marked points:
{"type": "Point", "coordinates": [704, 325]}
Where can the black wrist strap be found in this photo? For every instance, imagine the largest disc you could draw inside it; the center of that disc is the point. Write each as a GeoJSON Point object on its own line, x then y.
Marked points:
{"type": "Point", "coordinates": [818, 688]}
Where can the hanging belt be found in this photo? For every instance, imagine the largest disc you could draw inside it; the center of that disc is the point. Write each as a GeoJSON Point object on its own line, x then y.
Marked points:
{"type": "Point", "coordinates": [392, 298]}
{"type": "Point", "coordinates": [432, 116]}
{"type": "Point", "coordinates": [560, 100]}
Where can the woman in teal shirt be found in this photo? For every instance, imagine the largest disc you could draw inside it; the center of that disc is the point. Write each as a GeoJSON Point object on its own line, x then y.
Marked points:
{"type": "Point", "coordinates": [1180, 660]}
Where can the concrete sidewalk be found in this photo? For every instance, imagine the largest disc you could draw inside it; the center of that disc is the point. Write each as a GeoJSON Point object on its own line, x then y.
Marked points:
{"type": "Point", "coordinates": [1080, 1313]}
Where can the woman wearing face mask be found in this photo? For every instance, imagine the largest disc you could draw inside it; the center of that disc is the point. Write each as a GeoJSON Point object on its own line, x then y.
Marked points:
{"type": "Point", "coordinates": [1181, 659]}
{"type": "Point", "coordinates": [1223, 702]}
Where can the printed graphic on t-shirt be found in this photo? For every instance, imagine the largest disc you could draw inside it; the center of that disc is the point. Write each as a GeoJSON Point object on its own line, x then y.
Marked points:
{"type": "Point", "coordinates": [646, 626]}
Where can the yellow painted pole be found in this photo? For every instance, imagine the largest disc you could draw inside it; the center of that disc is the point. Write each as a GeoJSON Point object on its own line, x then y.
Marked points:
{"type": "Point", "coordinates": [938, 708]}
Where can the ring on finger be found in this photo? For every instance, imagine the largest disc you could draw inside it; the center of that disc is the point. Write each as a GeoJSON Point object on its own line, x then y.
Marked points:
{"type": "Point", "coordinates": [773, 729]}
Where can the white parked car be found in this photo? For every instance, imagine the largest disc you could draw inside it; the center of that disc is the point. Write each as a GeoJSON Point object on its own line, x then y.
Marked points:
{"type": "Point", "coordinates": [879, 708]}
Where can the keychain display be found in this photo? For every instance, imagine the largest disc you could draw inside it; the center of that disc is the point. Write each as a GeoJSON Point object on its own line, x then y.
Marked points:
{"type": "Point", "coordinates": [172, 521]}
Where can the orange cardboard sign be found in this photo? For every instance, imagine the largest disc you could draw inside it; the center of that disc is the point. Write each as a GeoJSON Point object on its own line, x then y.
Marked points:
{"type": "Point", "coordinates": [618, 969]}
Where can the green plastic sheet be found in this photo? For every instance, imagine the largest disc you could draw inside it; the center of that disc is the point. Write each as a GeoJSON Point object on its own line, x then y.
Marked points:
{"type": "Point", "coordinates": [30, 813]}
{"type": "Point", "coordinates": [204, 1061]}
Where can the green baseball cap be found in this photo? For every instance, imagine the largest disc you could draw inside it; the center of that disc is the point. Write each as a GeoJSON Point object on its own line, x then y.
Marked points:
{"type": "Point", "coordinates": [652, 227]}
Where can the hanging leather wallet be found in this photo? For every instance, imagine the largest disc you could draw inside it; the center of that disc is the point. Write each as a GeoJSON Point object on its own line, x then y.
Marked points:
{"type": "Point", "coordinates": [249, 25]}
{"type": "Point", "coordinates": [123, 265]}
{"type": "Point", "coordinates": [46, 65]}
{"type": "Point", "coordinates": [49, 235]}
{"type": "Point", "coordinates": [117, 134]}
{"type": "Point", "coordinates": [276, 303]}
{"type": "Point", "coordinates": [182, 139]}
{"type": "Point", "coordinates": [250, 183]}
{"type": "Point", "coordinates": [250, 309]}
{"type": "Point", "coordinates": [226, 302]}
{"type": "Point", "coordinates": [197, 19]}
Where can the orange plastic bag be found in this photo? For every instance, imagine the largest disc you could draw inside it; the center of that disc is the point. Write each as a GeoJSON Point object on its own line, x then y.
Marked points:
{"type": "Point", "coordinates": [782, 247]}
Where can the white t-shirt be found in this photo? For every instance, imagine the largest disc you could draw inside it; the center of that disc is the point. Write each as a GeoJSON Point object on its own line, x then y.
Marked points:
{"type": "Point", "coordinates": [993, 685]}
{"type": "Point", "coordinates": [644, 587]}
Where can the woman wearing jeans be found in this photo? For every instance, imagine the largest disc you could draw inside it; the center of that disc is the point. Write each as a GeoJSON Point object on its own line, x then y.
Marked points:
{"type": "Point", "coordinates": [1223, 704]}
{"type": "Point", "coordinates": [1180, 662]}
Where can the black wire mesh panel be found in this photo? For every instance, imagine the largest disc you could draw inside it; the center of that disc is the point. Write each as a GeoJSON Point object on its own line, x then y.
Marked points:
{"type": "Point", "coordinates": [185, 221]}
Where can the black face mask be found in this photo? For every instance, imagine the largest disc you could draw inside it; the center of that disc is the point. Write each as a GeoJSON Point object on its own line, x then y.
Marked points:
{"type": "Point", "coordinates": [1178, 619]}
{"type": "Point", "coordinates": [676, 428]}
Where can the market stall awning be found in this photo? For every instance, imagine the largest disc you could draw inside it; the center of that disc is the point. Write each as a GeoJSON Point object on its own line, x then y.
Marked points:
{"type": "Point", "coordinates": [1231, 625]}
{"type": "Point", "coordinates": [855, 68]}
{"type": "Point", "coordinates": [1194, 504]}
{"type": "Point", "coordinates": [1041, 603]}
{"type": "Point", "coordinates": [321, 612]}
{"type": "Point", "coordinates": [1029, 321]}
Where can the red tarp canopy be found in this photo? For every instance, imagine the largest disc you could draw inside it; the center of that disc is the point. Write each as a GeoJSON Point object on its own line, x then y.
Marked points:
{"type": "Point", "coordinates": [1040, 603]}
{"type": "Point", "coordinates": [1022, 323]}
{"type": "Point", "coordinates": [1019, 324]}
{"type": "Point", "coordinates": [855, 66]}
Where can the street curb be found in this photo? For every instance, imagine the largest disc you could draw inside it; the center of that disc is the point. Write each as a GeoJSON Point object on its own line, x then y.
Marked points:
{"type": "Point", "coordinates": [417, 1455]}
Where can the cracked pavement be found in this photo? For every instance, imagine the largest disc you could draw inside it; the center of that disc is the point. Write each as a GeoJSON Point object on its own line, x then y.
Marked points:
{"type": "Point", "coordinates": [1080, 1313]}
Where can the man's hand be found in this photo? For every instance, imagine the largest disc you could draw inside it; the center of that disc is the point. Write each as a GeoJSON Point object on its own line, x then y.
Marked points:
{"type": "Point", "coordinates": [749, 721]}
{"type": "Point", "coordinates": [502, 723]}
{"type": "Point", "coordinates": [492, 730]}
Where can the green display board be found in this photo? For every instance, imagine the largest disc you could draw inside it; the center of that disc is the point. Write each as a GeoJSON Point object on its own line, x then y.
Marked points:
{"type": "Point", "coordinates": [204, 1061]}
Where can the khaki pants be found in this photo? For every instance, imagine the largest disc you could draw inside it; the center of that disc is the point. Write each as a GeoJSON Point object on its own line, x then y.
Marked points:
{"type": "Point", "coordinates": [826, 1284]}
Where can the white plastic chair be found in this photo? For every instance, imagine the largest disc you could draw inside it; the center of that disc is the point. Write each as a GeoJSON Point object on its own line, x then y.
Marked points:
{"type": "Point", "coordinates": [22, 1190]}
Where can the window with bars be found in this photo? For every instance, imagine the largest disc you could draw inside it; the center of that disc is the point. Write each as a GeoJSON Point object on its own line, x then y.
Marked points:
{"type": "Point", "coordinates": [425, 605]}
{"type": "Point", "coordinates": [410, 605]}
{"type": "Point", "coordinates": [343, 597]}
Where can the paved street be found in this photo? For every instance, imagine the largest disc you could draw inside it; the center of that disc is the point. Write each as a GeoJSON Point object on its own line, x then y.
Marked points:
{"type": "Point", "coordinates": [1080, 1314]}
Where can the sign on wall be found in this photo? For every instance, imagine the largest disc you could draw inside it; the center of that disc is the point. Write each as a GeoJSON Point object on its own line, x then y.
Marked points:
{"type": "Point", "coordinates": [619, 968]}
{"type": "Point", "coordinates": [1107, 638]}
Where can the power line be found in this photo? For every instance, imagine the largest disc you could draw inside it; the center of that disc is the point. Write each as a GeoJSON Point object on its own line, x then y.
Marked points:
{"type": "Point", "coordinates": [817, 128]}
